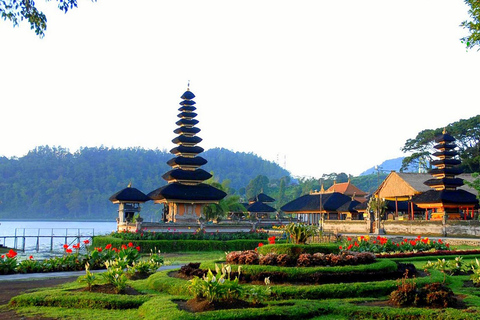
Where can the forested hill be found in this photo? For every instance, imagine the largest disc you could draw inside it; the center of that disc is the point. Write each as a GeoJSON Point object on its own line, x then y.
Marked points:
{"type": "Point", "coordinates": [52, 183]}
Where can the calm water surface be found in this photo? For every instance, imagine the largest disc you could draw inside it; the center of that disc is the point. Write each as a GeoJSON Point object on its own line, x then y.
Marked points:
{"type": "Point", "coordinates": [47, 228]}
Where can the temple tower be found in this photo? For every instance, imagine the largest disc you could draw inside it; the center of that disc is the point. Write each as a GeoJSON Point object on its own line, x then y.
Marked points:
{"type": "Point", "coordinates": [185, 195]}
{"type": "Point", "coordinates": [445, 201]}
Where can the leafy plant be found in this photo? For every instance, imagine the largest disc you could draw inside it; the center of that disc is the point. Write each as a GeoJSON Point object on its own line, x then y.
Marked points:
{"type": "Point", "coordinates": [89, 277]}
{"type": "Point", "coordinates": [257, 294]}
{"type": "Point", "coordinates": [115, 276]}
{"type": "Point", "coordinates": [300, 232]}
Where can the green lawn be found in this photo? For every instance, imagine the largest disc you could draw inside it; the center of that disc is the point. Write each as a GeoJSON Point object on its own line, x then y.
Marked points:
{"type": "Point", "coordinates": [328, 301]}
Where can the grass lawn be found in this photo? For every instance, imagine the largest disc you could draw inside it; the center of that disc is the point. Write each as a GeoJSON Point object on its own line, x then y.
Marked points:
{"type": "Point", "coordinates": [160, 294]}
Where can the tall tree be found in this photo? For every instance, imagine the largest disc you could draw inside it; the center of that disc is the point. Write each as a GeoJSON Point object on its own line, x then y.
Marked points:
{"type": "Point", "coordinates": [19, 10]}
{"type": "Point", "coordinates": [467, 134]}
{"type": "Point", "coordinates": [473, 25]}
{"type": "Point", "coordinates": [257, 185]}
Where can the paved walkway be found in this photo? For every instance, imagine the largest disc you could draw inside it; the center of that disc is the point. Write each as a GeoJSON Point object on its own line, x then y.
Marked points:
{"type": "Point", "coordinates": [63, 274]}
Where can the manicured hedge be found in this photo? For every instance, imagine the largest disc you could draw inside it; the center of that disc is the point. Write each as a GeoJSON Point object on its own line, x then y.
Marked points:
{"type": "Point", "coordinates": [148, 246]}
{"type": "Point", "coordinates": [381, 270]}
{"type": "Point", "coordinates": [78, 300]}
{"type": "Point", "coordinates": [295, 250]}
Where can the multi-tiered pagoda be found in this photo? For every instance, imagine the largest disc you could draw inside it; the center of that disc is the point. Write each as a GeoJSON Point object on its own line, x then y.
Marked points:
{"type": "Point", "coordinates": [446, 201]}
{"type": "Point", "coordinates": [185, 195]}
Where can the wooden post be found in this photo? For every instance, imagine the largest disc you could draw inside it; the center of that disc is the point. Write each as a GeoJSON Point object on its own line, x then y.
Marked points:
{"type": "Point", "coordinates": [23, 245]}
{"type": "Point", "coordinates": [37, 247]}
{"type": "Point", "coordinates": [51, 241]}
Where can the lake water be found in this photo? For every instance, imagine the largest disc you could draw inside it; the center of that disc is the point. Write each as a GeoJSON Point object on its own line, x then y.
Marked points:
{"type": "Point", "coordinates": [65, 229]}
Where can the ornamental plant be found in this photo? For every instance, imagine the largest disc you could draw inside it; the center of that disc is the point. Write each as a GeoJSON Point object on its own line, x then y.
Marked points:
{"type": "Point", "coordinates": [199, 234]}
{"type": "Point", "coordinates": [450, 267]}
{"type": "Point", "coordinates": [115, 276]}
{"type": "Point", "coordinates": [300, 232]}
{"type": "Point", "coordinates": [8, 262]}
{"type": "Point", "coordinates": [89, 277]}
{"type": "Point", "coordinates": [217, 287]}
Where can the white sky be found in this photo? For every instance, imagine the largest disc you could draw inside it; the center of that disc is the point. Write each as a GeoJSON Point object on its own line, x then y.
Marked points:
{"type": "Point", "coordinates": [330, 86]}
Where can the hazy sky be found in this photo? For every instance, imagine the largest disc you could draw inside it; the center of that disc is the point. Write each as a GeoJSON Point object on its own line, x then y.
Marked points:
{"type": "Point", "coordinates": [323, 86]}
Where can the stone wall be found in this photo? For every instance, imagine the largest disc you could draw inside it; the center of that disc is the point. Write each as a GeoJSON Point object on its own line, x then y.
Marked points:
{"type": "Point", "coordinates": [452, 228]}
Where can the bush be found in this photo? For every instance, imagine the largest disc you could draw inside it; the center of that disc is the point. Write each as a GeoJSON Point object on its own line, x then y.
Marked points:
{"type": "Point", "coordinates": [180, 245]}
{"type": "Point", "coordinates": [295, 250]}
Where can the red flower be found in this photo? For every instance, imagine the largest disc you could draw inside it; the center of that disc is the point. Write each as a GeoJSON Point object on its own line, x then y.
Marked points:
{"type": "Point", "coordinates": [31, 257]}
{"type": "Point", "coordinates": [349, 246]}
{"type": "Point", "coordinates": [68, 251]}
{"type": "Point", "coordinates": [398, 244]}
{"type": "Point", "coordinates": [260, 244]}
{"type": "Point", "coordinates": [349, 239]}
{"type": "Point", "coordinates": [440, 241]}
{"type": "Point", "coordinates": [340, 248]}
{"type": "Point", "coordinates": [130, 244]}
{"type": "Point", "coordinates": [124, 247]}
{"type": "Point", "coordinates": [65, 246]}
{"type": "Point", "coordinates": [356, 244]}
{"type": "Point", "coordinates": [3, 256]}
{"type": "Point", "coordinates": [86, 241]}
{"type": "Point", "coordinates": [11, 254]}
{"type": "Point", "coordinates": [98, 249]}
{"type": "Point", "coordinates": [374, 241]}
{"type": "Point", "coordinates": [108, 246]}
{"type": "Point", "coordinates": [413, 243]}
{"type": "Point", "coordinates": [138, 248]}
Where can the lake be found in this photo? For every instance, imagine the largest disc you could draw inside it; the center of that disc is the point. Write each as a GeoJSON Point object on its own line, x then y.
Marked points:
{"type": "Point", "coordinates": [47, 228]}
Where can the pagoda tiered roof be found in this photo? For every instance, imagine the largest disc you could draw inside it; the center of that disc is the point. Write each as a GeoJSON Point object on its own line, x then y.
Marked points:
{"type": "Point", "coordinates": [129, 194]}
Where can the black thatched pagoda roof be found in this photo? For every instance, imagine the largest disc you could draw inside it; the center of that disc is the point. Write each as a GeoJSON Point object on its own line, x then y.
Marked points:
{"type": "Point", "coordinates": [187, 130]}
{"type": "Point", "coordinates": [192, 175]}
{"type": "Point", "coordinates": [444, 137]}
{"type": "Point", "coordinates": [259, 207]}
{"type": "Point", "coordinates": [445, 153]}
{"type": "Point", "coordinates": [452, 162]}
{"type": "Point", "coordinates": [449, 182]}
{"type": "Point", "coordinates": [187, 115]}
{"type": "Point", "coordinates": [183, 192]}
{"type": "Point", "coordinates": [311, 202]}
{"type": "Point", "coordinates": [187, 103]}
{"type": "Point", "coordinates": [189, 150]}
{"type": "Point", "coordinates": [186, 122]}
{"type": "Point", "coordinates": [446, 196]}
{"type": "Point", "coordinates": [447, 146]}
{"type": "Point", "coordinates": [448, 171]}
{"type": "Point", "coordinates": [129, 194]}
{"type": "Point", "coordinates": [187, 140]}
{"type": "Point", "coordinates": [261, 197]}
{"type": "Point", "coordinates": [184, 161]}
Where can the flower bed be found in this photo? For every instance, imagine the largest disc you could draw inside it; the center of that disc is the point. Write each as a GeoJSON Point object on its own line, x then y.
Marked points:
{"type": "Point", "coordinates": [427, 253]}
{"type": "Point", "coordinates": [174, 234]}
{"type": "Point", "coordinates": [385, 245]}
{"type": "Point", "coordinates": [72, 260]}
{"type": "Point", "coordinates": [251, 257]}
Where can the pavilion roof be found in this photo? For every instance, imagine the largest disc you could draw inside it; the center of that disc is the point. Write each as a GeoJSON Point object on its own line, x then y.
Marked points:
{"type": "Point", "coordinates": [129, 194]}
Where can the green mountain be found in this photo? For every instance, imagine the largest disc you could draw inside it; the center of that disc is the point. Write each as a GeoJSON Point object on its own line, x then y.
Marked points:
{"type": "Point", "coordinates": [52, 183]}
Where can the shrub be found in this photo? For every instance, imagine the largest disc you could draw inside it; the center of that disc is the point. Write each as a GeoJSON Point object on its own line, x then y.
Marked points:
{"type": "Point", "coordinates": [305, 260]}
{"type": "Point", "coordinates": [294, 250]}
{"type": "Point", "coordinates": [269, 259]}
{"type": "Point", "coordinates": [284, 260]}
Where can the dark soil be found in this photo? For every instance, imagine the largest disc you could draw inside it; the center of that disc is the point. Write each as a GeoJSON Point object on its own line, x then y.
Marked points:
{"type": "Point", "coordinates": [13, 288]}
{"type": "Point", "coordinates": [201, 305]}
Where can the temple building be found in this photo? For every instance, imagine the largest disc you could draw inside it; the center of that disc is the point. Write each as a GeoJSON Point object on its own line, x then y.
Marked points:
{"type": "Point", "coordinates": [312, 208]}
{"type": "Point", "coordinates": [128, 200]}
{"type": "Point", "coordinates": [258, 206]}
{"type": "Point", "coordinates": [444, 201]}
{"type": "Point", "coordinates": [348, 189]}
{"type": "Point", "coordinates": [186, 194]}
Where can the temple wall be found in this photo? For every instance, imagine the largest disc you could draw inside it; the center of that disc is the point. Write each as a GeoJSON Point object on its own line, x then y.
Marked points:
{"type": "Point", "coordinates": [346, 226]}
